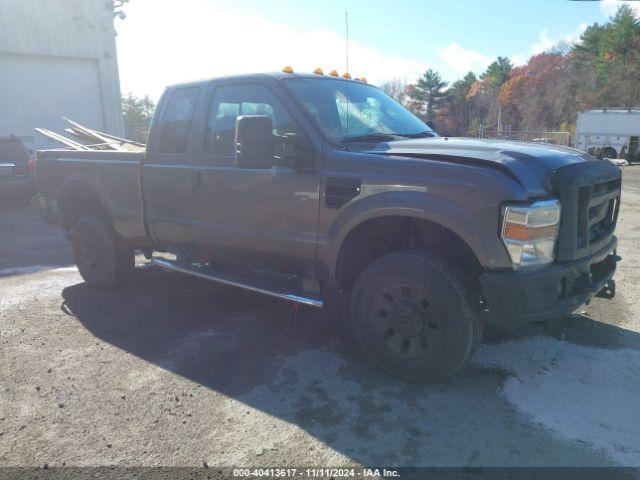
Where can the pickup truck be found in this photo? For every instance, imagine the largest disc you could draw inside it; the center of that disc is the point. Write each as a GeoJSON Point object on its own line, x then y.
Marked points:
{"type": "Point", "coordinates": [311, 188]}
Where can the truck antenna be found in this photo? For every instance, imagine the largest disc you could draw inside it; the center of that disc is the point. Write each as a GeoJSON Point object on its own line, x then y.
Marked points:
{"type": "Point", "coordinates": [346, 23]}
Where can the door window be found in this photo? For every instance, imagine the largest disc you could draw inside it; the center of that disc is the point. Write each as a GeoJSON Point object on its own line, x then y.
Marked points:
{"type": "Point", "coordinates": [231, 101]}
{"type": "Point", "coordinates": [177, 120]}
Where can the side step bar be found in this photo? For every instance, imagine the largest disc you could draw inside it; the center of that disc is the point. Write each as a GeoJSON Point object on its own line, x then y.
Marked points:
{"type": "Point", "coordinates": [233, 281]}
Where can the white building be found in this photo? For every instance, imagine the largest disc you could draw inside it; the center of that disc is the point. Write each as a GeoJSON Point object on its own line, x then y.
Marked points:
{"type": "Point", "coordinates": [58, 58]}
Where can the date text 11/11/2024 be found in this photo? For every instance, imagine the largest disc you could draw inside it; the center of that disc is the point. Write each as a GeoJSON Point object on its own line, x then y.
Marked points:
{"type": "Point", "coordinates": [315, 473]}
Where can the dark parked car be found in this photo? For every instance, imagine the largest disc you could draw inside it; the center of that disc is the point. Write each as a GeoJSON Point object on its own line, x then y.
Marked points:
{"type": "Point", "coordinates": [306, 186]}
{"type": "Point", "coordinates": [16, 168]}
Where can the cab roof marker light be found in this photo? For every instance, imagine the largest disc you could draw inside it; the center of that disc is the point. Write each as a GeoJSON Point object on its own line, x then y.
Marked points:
{"type": "Point", "coordinates": [334, 73]}
{"type": "Point", "coordinates": [363, 79]}
{"type": "Point", "coordinates": [288, 69]}
{"type": "Point", "coordinates": [318, 71]}
{"type": "Point", "coordinates": [346, 75]}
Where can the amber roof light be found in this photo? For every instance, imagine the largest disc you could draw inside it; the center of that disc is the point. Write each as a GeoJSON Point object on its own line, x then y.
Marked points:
{"type": "Point", "coordinates": [287, 69]}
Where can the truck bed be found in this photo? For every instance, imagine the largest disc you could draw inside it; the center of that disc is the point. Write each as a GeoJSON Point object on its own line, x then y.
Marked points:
{"type": "Point", "coordinates": [112, 176]}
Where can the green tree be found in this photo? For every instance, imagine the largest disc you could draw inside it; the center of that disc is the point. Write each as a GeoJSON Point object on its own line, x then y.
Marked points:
{"type": "Point", "coordinates": [137, 113]}
{"type": "Point", "coordinates": [623, 28]}
{"type": "Point", "coordinates": [428, 91]}
{"type": "Point", "coordinates": [601, 47]}
{"type": "Point", "coordinates": [607, 58]}
{"type": "Point", "coordinates": [454, 114]}
{"type": "Point", "coordinates": [461, 88]}
{"type": "Point", "coordinates": [498, 72]}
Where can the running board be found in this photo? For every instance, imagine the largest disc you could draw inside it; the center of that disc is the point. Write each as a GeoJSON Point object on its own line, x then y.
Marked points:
{"type": "Point", "coordinates": [227, 279]}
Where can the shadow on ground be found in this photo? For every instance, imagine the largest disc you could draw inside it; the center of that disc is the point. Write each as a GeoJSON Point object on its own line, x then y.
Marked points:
{"type": "Point", "coordinates": [27, 241]}
{"type": "Point", "coordinates": [304, 368]}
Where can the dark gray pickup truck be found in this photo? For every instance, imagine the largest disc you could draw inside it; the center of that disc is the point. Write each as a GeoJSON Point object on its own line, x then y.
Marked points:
{"type": "Point", "coordinates": [305, 187]}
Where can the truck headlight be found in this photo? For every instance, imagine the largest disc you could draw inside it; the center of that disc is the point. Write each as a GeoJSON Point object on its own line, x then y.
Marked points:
{"type": "Point", "coordinates": [530, 231]}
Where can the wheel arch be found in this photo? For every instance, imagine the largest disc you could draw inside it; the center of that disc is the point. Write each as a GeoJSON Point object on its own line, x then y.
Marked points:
{"type": "Point", "coordinates": [80, 194]}
{"type": "Point", "coordinates": [479, 242]}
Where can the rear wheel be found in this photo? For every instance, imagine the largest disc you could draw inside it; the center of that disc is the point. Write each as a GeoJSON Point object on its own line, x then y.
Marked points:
{"type": "Point", "coordinates": [609, 152]}
{"type": "Point", "coordinates": [103, 259]}
{"type": "Point", "coordinates": [415, 315]}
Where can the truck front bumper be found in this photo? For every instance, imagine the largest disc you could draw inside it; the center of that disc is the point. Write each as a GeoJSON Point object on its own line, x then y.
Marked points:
{"type": "Point", "coordinates": [520, 297]}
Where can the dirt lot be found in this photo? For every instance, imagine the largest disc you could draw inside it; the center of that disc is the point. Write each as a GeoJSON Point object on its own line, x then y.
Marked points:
{"type": "Point", "coordinates": [178, 371]}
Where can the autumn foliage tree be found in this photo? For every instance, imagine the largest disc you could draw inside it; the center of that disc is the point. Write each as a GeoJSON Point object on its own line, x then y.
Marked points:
{"type": "Point", "coordinates": [546, 93]}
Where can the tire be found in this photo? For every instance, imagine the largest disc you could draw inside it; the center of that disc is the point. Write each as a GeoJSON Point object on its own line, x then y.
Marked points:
{"type": "Point", "coordinates": [103, 259]}
{"type": "Point", "coordinates": [416, 316]}
{"type": "Point", "coordinates": [609, 152]}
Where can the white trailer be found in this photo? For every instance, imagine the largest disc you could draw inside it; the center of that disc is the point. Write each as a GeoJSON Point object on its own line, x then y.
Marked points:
{"type": "Point", "coordinates": [609, 133]}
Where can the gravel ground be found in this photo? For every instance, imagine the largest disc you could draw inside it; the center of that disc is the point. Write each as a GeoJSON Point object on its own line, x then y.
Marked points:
{"type": "Point", "coordinates": [177, 371]}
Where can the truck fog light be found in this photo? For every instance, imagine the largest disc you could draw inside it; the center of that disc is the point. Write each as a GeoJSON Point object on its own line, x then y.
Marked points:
{"type": "Point", "coordinates": [529, 232]}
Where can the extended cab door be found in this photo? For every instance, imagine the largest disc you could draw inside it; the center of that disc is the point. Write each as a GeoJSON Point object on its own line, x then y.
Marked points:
{"type": "Point", "coordinates": [265, 218]}
{"type": "Point", "coordinates": [166, 172]}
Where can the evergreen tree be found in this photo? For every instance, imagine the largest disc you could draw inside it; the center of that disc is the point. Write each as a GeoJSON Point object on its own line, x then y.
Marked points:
{"type": "Point", "coordinates": [498, 72]}
{"type": "Point", "coordinates": [428, 90]}
{"type": "Point", "coordinates": [461, 88]}
{"type": "Point", "coordinates": [137, 113]}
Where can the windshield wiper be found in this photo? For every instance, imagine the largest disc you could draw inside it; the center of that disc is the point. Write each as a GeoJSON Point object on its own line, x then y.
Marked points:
{"type": "Point", "coordinates": [384, 137]}
{"type": "Point", "coordinates": [424, 134]}
{"type": "Point", "coordinates": [371, 137]}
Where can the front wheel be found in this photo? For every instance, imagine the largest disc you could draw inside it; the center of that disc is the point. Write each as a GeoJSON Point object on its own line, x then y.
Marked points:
{"type": "Point", "coordinates": [103, 259]}
{"type": "Point", "coordinates": [415, 316]}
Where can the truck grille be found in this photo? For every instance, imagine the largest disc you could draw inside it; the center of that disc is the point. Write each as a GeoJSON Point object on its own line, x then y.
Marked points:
{"type": "Point", "coordinates": [597, 212]}
{"type": "Point", "coordinates": [590, 197]}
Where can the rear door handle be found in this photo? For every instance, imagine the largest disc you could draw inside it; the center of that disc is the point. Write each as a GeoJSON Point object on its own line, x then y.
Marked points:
{"type": "Point", "coordinates": [194, 180]}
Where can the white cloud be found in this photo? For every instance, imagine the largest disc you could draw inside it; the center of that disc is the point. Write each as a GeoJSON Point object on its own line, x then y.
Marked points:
{"type": "Point", "coordinates": [161, 44]}
{"type": "Point", "coordinates": [575, 36]}
{"type": "Point", "coordinates": [545, 42]}
{"type": "Point", "coordinates": [463, 60]}
{"type": "Point", "coordinates": [519, 58]}
{"type": "Point", "coordinates": [609, 7]}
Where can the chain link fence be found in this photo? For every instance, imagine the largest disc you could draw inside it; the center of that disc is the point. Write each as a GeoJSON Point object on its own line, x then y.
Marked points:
{"type": "Point", "coordinates": [553, 138]}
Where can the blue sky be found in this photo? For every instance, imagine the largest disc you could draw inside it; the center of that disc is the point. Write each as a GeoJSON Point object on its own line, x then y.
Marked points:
{"type": "Point", "coordinates": [165, 41]}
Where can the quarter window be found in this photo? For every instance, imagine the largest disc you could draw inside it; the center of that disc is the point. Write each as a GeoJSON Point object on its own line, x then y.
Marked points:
{"type": "Point", "coordinates": [177, 120]}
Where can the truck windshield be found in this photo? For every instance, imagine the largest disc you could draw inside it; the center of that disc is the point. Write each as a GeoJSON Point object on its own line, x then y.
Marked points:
{"type": "Point", "coordinates": [354, 111]}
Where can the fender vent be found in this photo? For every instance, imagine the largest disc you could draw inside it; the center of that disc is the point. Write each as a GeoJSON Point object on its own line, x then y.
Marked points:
{"type": "Point", "coordinates": [338, 191]}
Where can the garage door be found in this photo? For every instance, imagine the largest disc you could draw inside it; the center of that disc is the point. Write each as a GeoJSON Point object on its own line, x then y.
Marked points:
{"type": "Point", "coordinates": [36, 91]}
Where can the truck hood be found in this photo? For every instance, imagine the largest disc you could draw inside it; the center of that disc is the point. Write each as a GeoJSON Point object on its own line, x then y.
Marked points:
{"type": "Point", "coordinates": [528, 163]}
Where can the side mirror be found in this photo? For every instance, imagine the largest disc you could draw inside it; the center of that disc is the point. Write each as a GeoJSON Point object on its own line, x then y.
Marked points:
{"type": "Point", "coordinates": [254, 141]}
{"type": "Point", "coordinates": [297, 151]}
